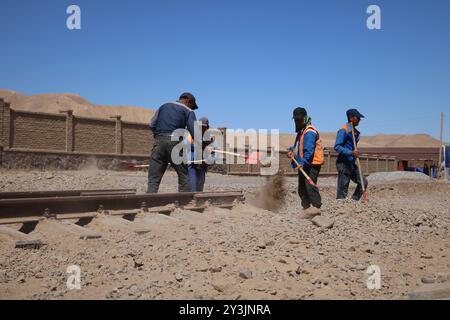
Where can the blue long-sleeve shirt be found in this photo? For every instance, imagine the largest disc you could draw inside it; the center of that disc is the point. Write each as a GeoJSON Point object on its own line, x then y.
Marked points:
{"type": "Point", "coordinates": [344, 144]}
{"type": "Point", "coordinates": [309, 147]}
{"type": "Point", "coordinates": [171, 116]}
{"type": "Point", "coordinates": [192, 154]}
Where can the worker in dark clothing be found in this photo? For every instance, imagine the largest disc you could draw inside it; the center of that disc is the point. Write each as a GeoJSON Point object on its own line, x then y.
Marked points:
{"type": "Point", "coordinates": [198, 165]}
{"type": "Point", "coordinates": [346, 161]}
{"type": "Point", "coordinates": [170, 117]}
{"type": "Point", "coordinates": [308, 152]}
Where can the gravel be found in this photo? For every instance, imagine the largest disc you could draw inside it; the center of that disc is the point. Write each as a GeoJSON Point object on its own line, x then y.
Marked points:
{"type": "Point", "coordinates": [251, 254]}
{"type": "Point", "coordinates": [397, 175]}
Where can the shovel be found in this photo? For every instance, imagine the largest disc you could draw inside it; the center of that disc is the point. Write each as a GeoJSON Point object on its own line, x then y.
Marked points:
{"type": "Point", "coordinates": [253, 158]}
{"type": "Point", "coordinates": [308, 179]}
{"type": "Point", "coordinates": [358, 163]}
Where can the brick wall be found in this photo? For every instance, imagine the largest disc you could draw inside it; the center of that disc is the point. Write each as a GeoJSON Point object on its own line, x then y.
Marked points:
{"type": "Point", "coordinates": [137, 138]}
{"type": "Point", "coordinates": [92, 135]}
{"type": "Point", "coordinates": [33, 131]}
{"type": "Point", "coordinates": [38, 131]}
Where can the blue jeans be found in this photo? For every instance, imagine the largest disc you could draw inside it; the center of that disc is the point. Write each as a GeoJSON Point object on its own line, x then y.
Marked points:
{"type": "Point", "coordinates": [197, 175]}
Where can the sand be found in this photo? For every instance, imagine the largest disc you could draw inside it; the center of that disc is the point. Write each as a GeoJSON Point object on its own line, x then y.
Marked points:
{"type": "Point", "coordinates": [244, 253]}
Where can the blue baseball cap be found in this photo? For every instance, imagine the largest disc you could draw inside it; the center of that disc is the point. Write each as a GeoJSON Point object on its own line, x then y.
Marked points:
{"type": "Point", "coordinates": [353, 113]}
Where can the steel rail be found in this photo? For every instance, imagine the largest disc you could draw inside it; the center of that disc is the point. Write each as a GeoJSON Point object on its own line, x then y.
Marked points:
{"type": "Point", "coordinates": [51, 206]}
{"type": "Point", "coordinates": [64, 193]}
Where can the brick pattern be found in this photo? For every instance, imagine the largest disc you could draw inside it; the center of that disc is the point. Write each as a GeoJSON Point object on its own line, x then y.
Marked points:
{"type": "Point", "coordinates": [137, 138]}
{"type": "Point", "coordinates": [97, 136]}
{"type": "Point", "coordinates": [5, 124]}
{"type": "Point", "coordinates": [38, 131]}
{"type": "Point", "coordinates": [65, 132]}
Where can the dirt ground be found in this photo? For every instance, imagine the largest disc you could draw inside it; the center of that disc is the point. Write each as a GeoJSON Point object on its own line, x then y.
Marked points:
{"type": "Point", "coordinates": [244, 253]}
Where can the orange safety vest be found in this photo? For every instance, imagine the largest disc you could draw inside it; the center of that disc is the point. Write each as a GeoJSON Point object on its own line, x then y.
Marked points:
{"type": "Point", "coordinates": [347, 130]}
{"type": "Point", "coordinates": [318, 158]}
{"type": "Point", "coordinates": [345, 127]}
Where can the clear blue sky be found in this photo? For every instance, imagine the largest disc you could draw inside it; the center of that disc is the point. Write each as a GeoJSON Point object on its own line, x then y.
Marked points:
{"type": "Point", "coordinates": [248, 62]}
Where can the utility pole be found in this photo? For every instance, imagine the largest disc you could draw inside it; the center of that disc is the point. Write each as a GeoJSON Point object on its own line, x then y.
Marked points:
{"type": "Point", "coordinates": [441, 142]}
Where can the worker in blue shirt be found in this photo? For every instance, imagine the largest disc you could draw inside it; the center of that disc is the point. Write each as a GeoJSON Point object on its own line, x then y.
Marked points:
{"type": "Point", "coordinates": [346, 161]}
{"type": "Point", "coordinates": [308, 152]}
{"type": "Point", "coordinates": [198, 164]}
{"type": "Point", "coordinates": [168, 118]}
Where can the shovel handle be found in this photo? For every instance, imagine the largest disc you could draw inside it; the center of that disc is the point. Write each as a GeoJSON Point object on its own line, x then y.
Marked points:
{"type": "Point", "coordinates": [358, 164]}
{"type": "Point", "coordinates": [310, 181]}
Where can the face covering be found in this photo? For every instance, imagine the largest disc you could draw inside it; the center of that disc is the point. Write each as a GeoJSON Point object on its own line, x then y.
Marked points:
{"type": "Point", "coordinates": [301, 123]}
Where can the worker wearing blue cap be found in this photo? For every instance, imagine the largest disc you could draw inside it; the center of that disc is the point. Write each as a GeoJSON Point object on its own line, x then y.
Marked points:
{"type": "Point", "coordinates": [346, 161]}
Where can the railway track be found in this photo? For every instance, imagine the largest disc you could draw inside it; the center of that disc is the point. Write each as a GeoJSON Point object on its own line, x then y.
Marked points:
{"type": "Point", "coordinates": [73, 211]}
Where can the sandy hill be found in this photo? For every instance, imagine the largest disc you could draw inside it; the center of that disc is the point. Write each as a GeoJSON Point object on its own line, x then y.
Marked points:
{"type": "Point", "coordinates": [53, 103]}
{"type": "Point", "coordinates": [378, 141]}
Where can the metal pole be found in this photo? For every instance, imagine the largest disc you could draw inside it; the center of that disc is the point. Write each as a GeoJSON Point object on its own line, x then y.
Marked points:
{"type": "Point", "coordinates": [441, 143]}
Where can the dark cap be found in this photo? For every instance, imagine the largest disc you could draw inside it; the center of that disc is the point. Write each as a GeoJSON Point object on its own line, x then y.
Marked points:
{"type": "Point", "coordinates": [299, 113]}
{"type": "Point", "coordinates": [190, 96]}
{"type": "Point", "coordinates": [353, 113]}
{"type": "Point", "coordinates": [204, 121]}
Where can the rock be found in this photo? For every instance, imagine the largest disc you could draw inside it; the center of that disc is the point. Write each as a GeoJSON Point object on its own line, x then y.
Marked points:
{"type": "Point", "coordinates": [178, 277]}
{"type": "Point", "coordinates": [3, 277]}
{"type": "Point", "coordinates": [215, 269]}
{"type": "Point", "coordinates": [421, 220]}
{"type": "Point", "coordinates": [443, 277]}
{"type": "Point", "coordinates": [323, 222]}
{"type": "Point", "coordinates": [220, 285]}
{"type": "Point", "coordinates": [301, 270]}
{"type": "Point", "coordinates": [202, 267]}
{"type": "Point", "coordinates": [21, 279]}
{"type": "Point", "coordinates": [428, 280]}
{"type": "Point", "coordinates": [245, 274]}
{"type": "Point", "coordinates": [360, 267]}
{"type": "Point", "coordinates": [261, 245]}
{"type": "Point", "coordinates": [133, 290]}
{"type": "Point", "coordinates": [137, 263]}
{"type": "Point", "coordinates": [431, 292]}
{"type": "Point", "coordinates": [38, 269]}
{"type": "Point", "coordinates": [270, 243]}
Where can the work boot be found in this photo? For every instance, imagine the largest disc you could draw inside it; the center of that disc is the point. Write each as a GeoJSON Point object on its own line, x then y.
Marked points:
{"type": "Point", "coordinates": [309, 213]}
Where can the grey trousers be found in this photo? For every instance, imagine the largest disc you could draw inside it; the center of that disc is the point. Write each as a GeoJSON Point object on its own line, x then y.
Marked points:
{"type": "Point", "coordinates": [159, 160]}
{"type": "Point", "coordinates": [349, 171]}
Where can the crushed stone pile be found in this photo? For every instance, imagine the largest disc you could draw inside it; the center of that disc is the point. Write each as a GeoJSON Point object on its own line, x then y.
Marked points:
{"type": "Point", "coordinates": [397, 175]}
